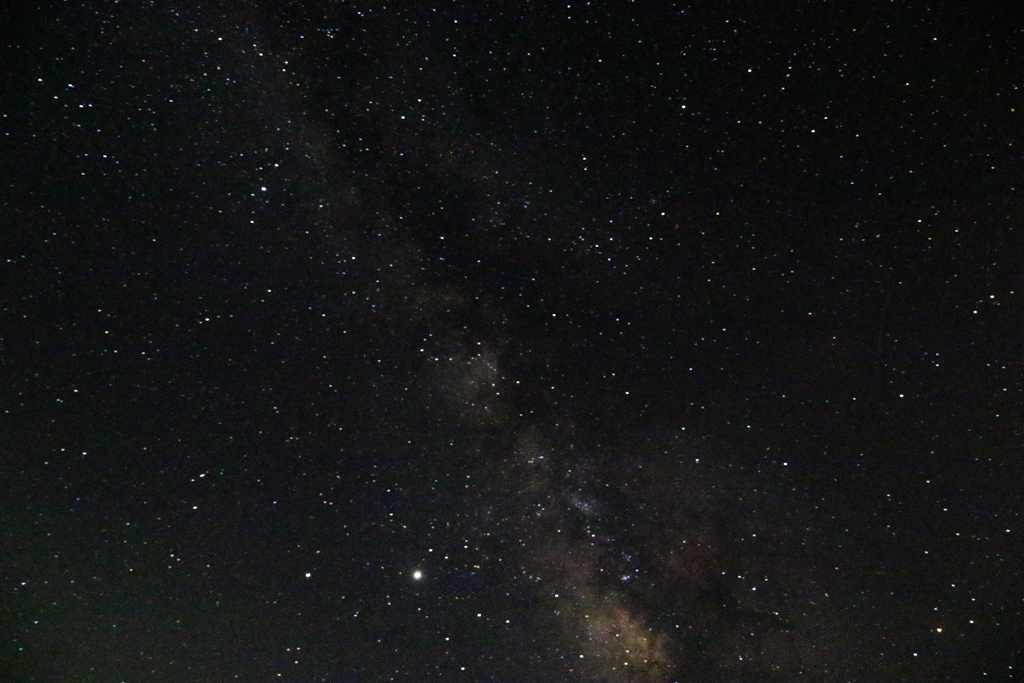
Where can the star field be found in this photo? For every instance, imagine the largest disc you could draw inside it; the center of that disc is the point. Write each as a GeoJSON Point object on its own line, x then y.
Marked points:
{"type": "Point", "coordinates": [597, 342]}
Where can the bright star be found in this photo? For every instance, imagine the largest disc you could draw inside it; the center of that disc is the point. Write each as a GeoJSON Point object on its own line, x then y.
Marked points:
{"type": "Point", "coordinates": [417, 575]}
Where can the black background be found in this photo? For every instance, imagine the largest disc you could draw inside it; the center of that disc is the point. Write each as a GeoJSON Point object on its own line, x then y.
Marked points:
{"type": "Point", "coordinates": [668, 341]}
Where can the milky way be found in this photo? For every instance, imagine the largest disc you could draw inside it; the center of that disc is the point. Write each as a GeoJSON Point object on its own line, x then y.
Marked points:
{"type": "Point", "coordinates": [510, 342]}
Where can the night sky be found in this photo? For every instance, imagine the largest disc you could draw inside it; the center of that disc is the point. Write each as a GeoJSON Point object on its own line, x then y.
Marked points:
{"type": "Point", "coordinates": [519, 342]}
